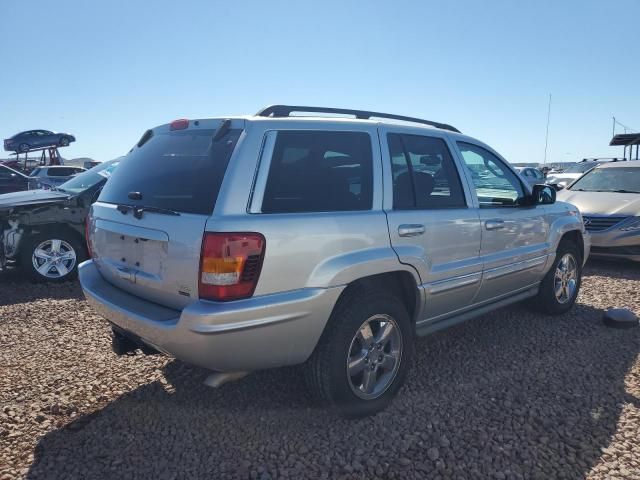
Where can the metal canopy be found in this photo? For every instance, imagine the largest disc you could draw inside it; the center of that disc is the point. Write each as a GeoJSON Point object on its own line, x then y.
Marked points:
{"type": "Point", "coordinates": [625, 139]}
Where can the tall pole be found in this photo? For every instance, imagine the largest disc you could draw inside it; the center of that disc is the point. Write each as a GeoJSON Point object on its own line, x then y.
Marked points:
{"type": "Point", "coordinates": [546, 139]}
{"type": "Point", "coordinates": [613, 132]}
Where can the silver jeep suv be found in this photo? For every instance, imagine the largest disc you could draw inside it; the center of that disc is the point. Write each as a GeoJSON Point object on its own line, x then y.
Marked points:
{"type": "Point", "coordinates": [246, 243]}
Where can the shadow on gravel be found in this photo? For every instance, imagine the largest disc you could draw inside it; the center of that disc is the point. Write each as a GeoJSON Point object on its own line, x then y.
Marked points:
{"type": "Point", "coordinates": [623, 270]}
{"type": "Point", "coordinates": [510, 395]}
{"type": "Point", "coordinates": [16, 288]}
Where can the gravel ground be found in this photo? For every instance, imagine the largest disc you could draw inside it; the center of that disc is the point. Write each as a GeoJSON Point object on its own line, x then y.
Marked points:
{"type": "Point", "coordinates": [510, 395]}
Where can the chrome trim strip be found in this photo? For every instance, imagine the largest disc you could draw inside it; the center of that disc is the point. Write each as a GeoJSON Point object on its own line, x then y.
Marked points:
{"type": "Point", "coordinates": [452, 283]}
{"type": "Point", "coordinates": [247, 324]}
{"type": "Point", "coordinates": [503, 270]}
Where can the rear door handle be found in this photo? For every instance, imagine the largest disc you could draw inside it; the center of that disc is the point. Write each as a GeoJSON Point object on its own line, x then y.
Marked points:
{"type": "Point", "coordinates": [410, 230]}
{"type": "Point", "coordinates": [494, 224]}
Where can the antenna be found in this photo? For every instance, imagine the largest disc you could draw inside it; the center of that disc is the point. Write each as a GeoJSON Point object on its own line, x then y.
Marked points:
{"type": "Point", "coordinates": [546, 139]}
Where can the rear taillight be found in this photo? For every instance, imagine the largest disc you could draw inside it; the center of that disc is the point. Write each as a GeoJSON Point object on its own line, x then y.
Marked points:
{"type": "Point", "coordinates": [87, 235]}
{"type": "Point", "coordinates": [230, 265]}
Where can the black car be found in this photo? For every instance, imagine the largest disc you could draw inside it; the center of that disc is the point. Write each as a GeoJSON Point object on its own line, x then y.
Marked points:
{"type": "Point", "coordinates": [43, 231]}
{"type": "Point", "coordinates": [12, 180]}
{"type": "Point", "coordinates": [25, 141]}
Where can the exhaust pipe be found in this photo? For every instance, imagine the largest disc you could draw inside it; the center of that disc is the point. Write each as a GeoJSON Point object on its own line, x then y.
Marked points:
{"type": "Point", "coordinates": [217, 379]}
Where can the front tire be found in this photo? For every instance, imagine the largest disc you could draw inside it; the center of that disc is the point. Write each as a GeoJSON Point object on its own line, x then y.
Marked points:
{"type": "Point", "coordinates": [560, 287]}
{"type": "Point", "coordinates": [52, 256]}
{"type": "Point", "coordinates": [64, 142]}
{"type": "Point", "coordinates": [364, 354]}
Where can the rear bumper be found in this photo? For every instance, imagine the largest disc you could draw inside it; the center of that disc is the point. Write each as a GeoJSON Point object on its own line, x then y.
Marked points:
{"type": "Point", "coordinates": [256, 333]}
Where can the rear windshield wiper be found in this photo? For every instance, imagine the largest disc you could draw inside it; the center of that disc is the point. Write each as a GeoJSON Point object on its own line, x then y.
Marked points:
{"type": "Point", "coordinates": [138, 211]}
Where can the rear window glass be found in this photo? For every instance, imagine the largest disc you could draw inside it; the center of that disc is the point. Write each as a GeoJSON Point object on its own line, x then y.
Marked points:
{"type": "Point", "coordinates": [61, 172]}
{"type": "Point", "coordinates": [180, 170]}
{"type": "Point", "coordinates": [313, 171]}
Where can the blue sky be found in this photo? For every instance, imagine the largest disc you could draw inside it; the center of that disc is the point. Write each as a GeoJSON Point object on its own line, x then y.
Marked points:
{"type": "Point", "coordinates": [107, 71]}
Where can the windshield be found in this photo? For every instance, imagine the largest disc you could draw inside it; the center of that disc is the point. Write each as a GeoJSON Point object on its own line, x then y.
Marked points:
{"type": "Point", "coordinates": [623, 179]}
{"type": "Point", "coordinates": [90, 178]}
{"type": "Point", "coordinates": [580, 167]}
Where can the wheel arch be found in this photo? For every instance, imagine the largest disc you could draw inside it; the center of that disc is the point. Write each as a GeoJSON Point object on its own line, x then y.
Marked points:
{"type": "Point", "coordinates": [51, 228]}
{"type": "Point", "coordinates": [575, 237]}
{"type": "Point", "coordinates": [401, 283]}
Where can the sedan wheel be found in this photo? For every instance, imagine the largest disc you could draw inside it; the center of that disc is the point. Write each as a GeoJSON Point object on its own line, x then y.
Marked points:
{"type": "Point", "coordinates": [64, 141]}
{"type": "Point", "coordinates": [23, 147]}
{"type": "Point", "coordinates": [54, 258]}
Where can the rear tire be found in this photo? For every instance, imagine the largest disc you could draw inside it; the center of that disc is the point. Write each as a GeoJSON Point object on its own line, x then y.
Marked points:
{"type": "Point", "coordinates": [24, 147]}
{"type": "Point", "coordinates": [364, 354]}
{"type": "Point", "coordinates": [560, 287]}
{"type": "Point", "coordinates": [52, 256]}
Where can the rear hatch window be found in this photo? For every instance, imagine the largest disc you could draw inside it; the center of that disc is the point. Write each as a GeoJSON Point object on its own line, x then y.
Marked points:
{"type": "Point", "coordinates": [175, 170]}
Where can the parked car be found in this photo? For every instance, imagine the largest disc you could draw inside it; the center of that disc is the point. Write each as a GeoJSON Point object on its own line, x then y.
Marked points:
{"type": "Point", "coordinates": [11, 180]}
{"type": "Point", "coordinates": [609, 199]}
{"type": "Point", "coordinates": [44, 230]}
{"type": "Point", "coordinates": [247, 243]}
{"type": "Point", "coordinates": [31, 139]}
{"type": "Point", "coordinates": [574, 172]}
{"type": "Point", "coordinates": [22, 166]}
{"type": "Point", "coordinates": [48, 177]}
{"type": "Point", "coordinates": [531, 175]}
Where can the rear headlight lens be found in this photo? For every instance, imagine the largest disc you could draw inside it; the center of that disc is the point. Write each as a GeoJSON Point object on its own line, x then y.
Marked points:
{"type": "Point", "coordinates": [230, 265]}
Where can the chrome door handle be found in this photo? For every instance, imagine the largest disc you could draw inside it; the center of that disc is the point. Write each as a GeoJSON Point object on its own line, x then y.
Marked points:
{"type": "Point", "coordinates": [410, 230]}
{"type": "Point", "coordinates": [495, 224]}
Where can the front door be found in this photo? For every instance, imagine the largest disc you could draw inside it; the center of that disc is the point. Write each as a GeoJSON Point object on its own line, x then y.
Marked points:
{"type": "Point", "coordinates": [513, 236]}
{"type": "Point", "coordinates": [431, 222]}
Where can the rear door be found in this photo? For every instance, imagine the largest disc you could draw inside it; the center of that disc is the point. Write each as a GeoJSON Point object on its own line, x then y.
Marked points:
{"type": "Point", "coordinates": [148, 223]}
{"type": "Point", "coordinates": [514, 237]}
{"type": "Point", "coordinates": [432, 223]}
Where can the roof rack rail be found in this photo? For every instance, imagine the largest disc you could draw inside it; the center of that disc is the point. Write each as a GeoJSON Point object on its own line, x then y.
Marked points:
{"type": "Point", "coordinates": [286, 110]}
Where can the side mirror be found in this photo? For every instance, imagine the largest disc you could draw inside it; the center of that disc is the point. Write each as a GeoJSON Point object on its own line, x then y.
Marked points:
{"type": "Point", "coordinates": [543, 195]}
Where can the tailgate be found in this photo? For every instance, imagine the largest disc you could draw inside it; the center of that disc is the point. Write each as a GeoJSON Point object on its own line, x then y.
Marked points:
{"type": "Point", "coordinates": [146, 228]}
{"type": "Point", "coordinates": [154, 258]}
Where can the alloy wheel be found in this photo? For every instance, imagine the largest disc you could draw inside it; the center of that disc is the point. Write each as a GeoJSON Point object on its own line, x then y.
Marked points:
{"type": "Point", "coordinates": [374, 356]}
{"type": "Point", "coordinates": [566, 278]}
{"type": "Point", "coordinates": [54, 258]}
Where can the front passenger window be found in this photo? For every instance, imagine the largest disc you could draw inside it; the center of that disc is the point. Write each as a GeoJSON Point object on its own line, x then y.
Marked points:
{"type": "Point", "coordinates": [495, 184]}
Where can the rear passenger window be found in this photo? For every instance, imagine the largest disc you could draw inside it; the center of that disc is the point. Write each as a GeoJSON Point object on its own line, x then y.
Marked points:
{"type": "Point", "coordinates": [61, 172]}
{"type": "Point", "coordinates": [314, 171]}
{"type": "Point", "coordinates": [424, 175]}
